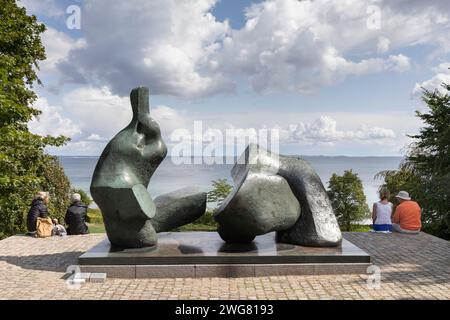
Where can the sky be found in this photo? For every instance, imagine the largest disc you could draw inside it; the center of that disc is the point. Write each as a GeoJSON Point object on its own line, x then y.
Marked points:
{"type": "Point", "coordinates": [333, 77]}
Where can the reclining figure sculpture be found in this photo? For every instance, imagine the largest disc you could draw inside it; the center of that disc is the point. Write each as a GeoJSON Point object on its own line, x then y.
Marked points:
{"type": "Point", "coordinates": [119, 184]}
{"type": "Point", "coordinates": [277, 193]}
{"type": "Point", "coordinates": [271, 193]}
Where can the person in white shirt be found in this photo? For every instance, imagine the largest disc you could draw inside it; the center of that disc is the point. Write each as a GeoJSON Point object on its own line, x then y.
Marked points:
{"type": "Point", "coordinates": [382, 213]}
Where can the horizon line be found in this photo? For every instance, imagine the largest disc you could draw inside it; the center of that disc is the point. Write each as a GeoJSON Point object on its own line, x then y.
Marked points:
{"type": "Point", "coordinates": [300, 155]}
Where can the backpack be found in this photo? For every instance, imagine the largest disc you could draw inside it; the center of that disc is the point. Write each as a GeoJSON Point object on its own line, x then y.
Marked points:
{"type": "Point", "coordinates": [59, 230]}
{"type": "Point", "coordinates": [44, 227]}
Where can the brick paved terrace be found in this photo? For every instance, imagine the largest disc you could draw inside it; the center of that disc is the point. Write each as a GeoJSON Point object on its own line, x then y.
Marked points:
{"type": "Point", "coordinates": [412, 267]}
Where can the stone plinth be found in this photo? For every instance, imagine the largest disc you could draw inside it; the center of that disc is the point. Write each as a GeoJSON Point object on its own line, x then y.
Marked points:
{"type": "Point", "coordinates": [204, 254]}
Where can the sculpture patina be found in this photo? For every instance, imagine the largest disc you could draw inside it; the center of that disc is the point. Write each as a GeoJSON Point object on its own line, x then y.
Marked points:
{"type": "Point", "coordinates": [271, 193]}
{"type": "Point", "coordinates": [121, 177]}
{"type": "Point", "coordinates": [277, 193]}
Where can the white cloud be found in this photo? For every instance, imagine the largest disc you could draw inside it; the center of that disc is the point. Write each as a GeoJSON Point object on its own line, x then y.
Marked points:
{"type": "Point", "coordinates": [98, 111]}
{"type": "Point", "coordinates": [324, 129]}
{"type": "Point", "coordinates": [399, 63]}
{"type": "Point", "coordinates": [57, 47]}
{"type": "Point", "coordinates": [303, 45]}
{"type": "Point", "coordinates": [51, 122]}
{"type": "Point", "coordinates": [442, 75]}
{"type": "Point", "coordinates": [88, 115]}
{"type": "Point", "coordinates": [95, 137]}
{"type": "Point", "coordinates": [45, 7]}
{"type": "Point", "coordinates": [383, 44]}
{"type": "Point", "coordinates": [320, 129]}
{"type": "Point", "coordinates": [164, 44]}
{"type": "Point", "coordinates": [179, 48]}
{"type": "Point", "coordinates": [79, 148]}
{"type": "Point", "coordinates": [169, 119]}
{"type": "Point", "coordinates": [100, 114]}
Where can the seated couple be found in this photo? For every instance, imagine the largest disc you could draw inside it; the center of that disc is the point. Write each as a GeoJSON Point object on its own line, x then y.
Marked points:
{"type": "Point", "coordinates": [75, 218]}
{"type": "Point", "coordinates": [405, 219]}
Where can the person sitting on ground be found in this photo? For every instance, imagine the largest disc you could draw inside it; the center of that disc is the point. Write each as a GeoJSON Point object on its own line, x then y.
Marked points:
{"type": "Point", "coordinates": [76, 216]}
{"type": "Point", "coordinates": [382, 212]}
{"type": "Point", "coordinates": [38, 210]}
{"type": "Point", "coordinates": [407, 215]}
{"type": "Point", "coordinates": [58, 229]}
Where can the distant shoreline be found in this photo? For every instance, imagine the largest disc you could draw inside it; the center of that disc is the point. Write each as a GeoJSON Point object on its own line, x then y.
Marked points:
{"type": "Point", "coordinates": [171, 176]}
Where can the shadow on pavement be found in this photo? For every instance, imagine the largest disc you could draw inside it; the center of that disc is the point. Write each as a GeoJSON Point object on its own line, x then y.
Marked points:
{"type": "Point", "coordinates": [56, 262]}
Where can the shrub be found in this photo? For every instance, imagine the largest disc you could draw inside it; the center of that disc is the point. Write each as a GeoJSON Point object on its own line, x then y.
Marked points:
{"type": "Point", "coordinates": [57, 184]}
{"type": "Point", "coordinates": [94, 216]}
{"type": "Point", "coordinates": [207, 219]}
{"type": "Point", "coordinates": [221, 189]}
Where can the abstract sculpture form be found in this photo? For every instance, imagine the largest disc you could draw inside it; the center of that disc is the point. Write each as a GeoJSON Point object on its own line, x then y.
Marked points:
{"type": "Point", "coordinates": [271, 193]}
{"type": "Point", "coordinates": [119, 184]}
{"type": "Point", "coordinates": [277, 193]}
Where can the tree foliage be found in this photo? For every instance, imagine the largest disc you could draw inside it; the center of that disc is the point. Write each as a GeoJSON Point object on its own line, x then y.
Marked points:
{"type": "Point", "coordinates": [25, 168]}
{"type": "Point", "coordinates": [55, 181]}
{"type": "Point", "coordinates": [347, 197]}
{"type": "Point", "coordinates": [221, 189]}
{"type": "Point", "coordinates": [425, 172]}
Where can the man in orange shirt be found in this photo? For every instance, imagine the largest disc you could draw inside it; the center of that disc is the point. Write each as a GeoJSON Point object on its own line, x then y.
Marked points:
{"type": "Point", "coordinates": [407, 215]}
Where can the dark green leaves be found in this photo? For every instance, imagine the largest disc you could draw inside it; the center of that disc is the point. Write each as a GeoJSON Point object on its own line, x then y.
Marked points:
{"type": "Point", "coordinates": [25, 168]}
{"type": "Point", "coordinates": [347, 197]}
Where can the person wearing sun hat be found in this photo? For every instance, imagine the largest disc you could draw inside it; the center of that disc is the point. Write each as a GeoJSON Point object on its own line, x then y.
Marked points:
{"type": "Point", "coordinates": [406, 217]}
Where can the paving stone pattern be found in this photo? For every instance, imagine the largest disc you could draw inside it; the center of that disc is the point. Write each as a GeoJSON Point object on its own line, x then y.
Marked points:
{"type": "Point", "coordinates": [412, 267]}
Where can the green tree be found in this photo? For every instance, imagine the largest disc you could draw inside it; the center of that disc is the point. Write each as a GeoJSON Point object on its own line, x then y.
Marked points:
{"type": "Point", "coordinates": [54, 180]}
{"type": "Point", "coordinates": [402, 179]}
{"type": "Point", "coordinates": [425, 172]}
{"type": "Point", "coordinates": [347, 198]}
{"type": "Point", "coordinates": [221, 189]}
{"type": "Point", "coordinates": [24, 166]}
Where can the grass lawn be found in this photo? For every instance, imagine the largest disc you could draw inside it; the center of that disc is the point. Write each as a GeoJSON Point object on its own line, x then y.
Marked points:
{"type": "Point", "coordinates": [95, 221]}
{"type": "Point", "coordinates": [360, 228]}
{"type": "Point", "coordinates": [96, 228]}
{"type": "Point", "coordinates": [196, 227]}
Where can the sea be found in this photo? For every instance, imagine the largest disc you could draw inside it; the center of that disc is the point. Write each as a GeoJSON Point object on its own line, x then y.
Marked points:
{"type": "Point", "coordinates": [170, 176]}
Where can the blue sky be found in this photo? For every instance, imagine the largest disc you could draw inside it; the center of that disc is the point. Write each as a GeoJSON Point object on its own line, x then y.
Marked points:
{"type": "Point", "coordinates": [233, 11]}
{"type": "Point", "coordinates": [335, 78]}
